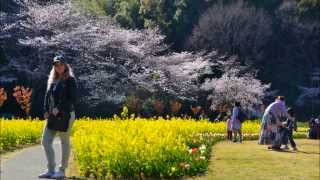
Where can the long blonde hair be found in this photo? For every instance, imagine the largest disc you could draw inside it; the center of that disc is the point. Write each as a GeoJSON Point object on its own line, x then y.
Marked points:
{"type": "Point", "coordinates": [53, 76]}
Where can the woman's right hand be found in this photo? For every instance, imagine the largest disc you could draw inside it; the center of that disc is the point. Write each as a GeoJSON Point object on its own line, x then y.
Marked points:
{"type": "Point", "coordinates": [55, 111]}
{"type": "Point", "coordinates": [46, 115]}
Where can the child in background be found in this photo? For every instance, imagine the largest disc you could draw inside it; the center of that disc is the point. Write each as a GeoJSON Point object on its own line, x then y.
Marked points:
{"type": "Point", "coordinates": [289, 126]}
{"type": "Point", "coordinates": [229, 129]}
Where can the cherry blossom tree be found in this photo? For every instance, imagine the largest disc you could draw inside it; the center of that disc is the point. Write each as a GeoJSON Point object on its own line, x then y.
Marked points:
{"type": "Point", "coordinates": [111, 62]}
{"type": "Point", "coordinates": [234, 86]}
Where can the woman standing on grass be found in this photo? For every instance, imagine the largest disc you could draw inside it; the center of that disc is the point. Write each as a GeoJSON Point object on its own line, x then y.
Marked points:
{"type": "Point", "coordinates": [59, 102]}
{"type": "Point", "coordinates": [269, 132]}
{"type": "Point", "coordinates": [235, 122]}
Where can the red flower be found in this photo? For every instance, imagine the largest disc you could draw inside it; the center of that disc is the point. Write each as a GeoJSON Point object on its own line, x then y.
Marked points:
{"type": "Point", "coordinates": [194, 150]}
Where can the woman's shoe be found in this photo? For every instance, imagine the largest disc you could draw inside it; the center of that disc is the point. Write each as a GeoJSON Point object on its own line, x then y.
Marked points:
{"type": "Point", "coordinates": [58, 175]}
{"type": "Point", "coordinates": [46, 175]}
{"type": "Point", "coordinates": [286, 147]}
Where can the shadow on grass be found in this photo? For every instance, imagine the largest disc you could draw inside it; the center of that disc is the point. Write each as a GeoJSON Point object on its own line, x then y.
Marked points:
{"type": "Point", "coordinates": [76, 178]}
{"type": "Point", "coordinates": [128, 178]}
{"type": "Point", "coordinates": [298, 151]}
{"type": "Point", "coordinates": [281, 150]}
{"type": "Point", "coordinates": [305, 152]}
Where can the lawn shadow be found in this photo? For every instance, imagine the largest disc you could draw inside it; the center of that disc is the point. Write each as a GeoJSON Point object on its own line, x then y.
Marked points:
{"type": "Point", "coordinates": [281, 150]}
{"type": "Point", "coordinates": [126, 178]}
{"type": "Point", "coordinates": [75, 178]}
{"type": "Point", "coordinates": [298, 151]}
{"type": "Point", "coordinates": [305, 152]}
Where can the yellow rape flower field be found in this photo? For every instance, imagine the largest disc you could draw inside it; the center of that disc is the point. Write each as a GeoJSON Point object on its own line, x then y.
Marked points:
{"type": "Point", "coordinates": [117, 147]}
{"type": "Point", "coordinates": [15, 133]}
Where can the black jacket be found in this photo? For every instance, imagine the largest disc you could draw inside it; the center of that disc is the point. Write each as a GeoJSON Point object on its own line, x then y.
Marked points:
{"type": "Point", "coordinates": [291, 124]}
{"type": "Point", "coordinates": [64, 95]}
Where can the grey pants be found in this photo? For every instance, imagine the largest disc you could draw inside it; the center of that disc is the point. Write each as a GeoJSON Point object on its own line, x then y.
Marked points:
{"type": "Point", "coordinates": [47, 140]}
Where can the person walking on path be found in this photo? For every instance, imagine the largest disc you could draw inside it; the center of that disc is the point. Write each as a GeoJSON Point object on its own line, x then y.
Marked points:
{"type": "Point", "coordinates": [235, 122]}
{"type": "Point", "coordinates": [271, 122]}
{"type": "Point", "coordinates": [60, 99]}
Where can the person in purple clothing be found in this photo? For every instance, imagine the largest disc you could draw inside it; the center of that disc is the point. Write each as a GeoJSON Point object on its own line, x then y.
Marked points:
{"type": "Point", "coordinates": [271, 122]}
{"type": "Point", "coordinates": [235, 122]}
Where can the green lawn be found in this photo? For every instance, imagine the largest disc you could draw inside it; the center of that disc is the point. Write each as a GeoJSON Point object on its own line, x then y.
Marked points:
{"type": "Point", "coordinates": [252, 161]}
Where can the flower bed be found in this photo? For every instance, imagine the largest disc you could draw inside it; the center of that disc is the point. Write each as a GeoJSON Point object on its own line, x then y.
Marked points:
{"type": "Point", "coordinates": [116, 147]}
{"type": "Point", "coordinates": [144, 147]}
{"type": "Point", "coordinates": [18, 132]}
